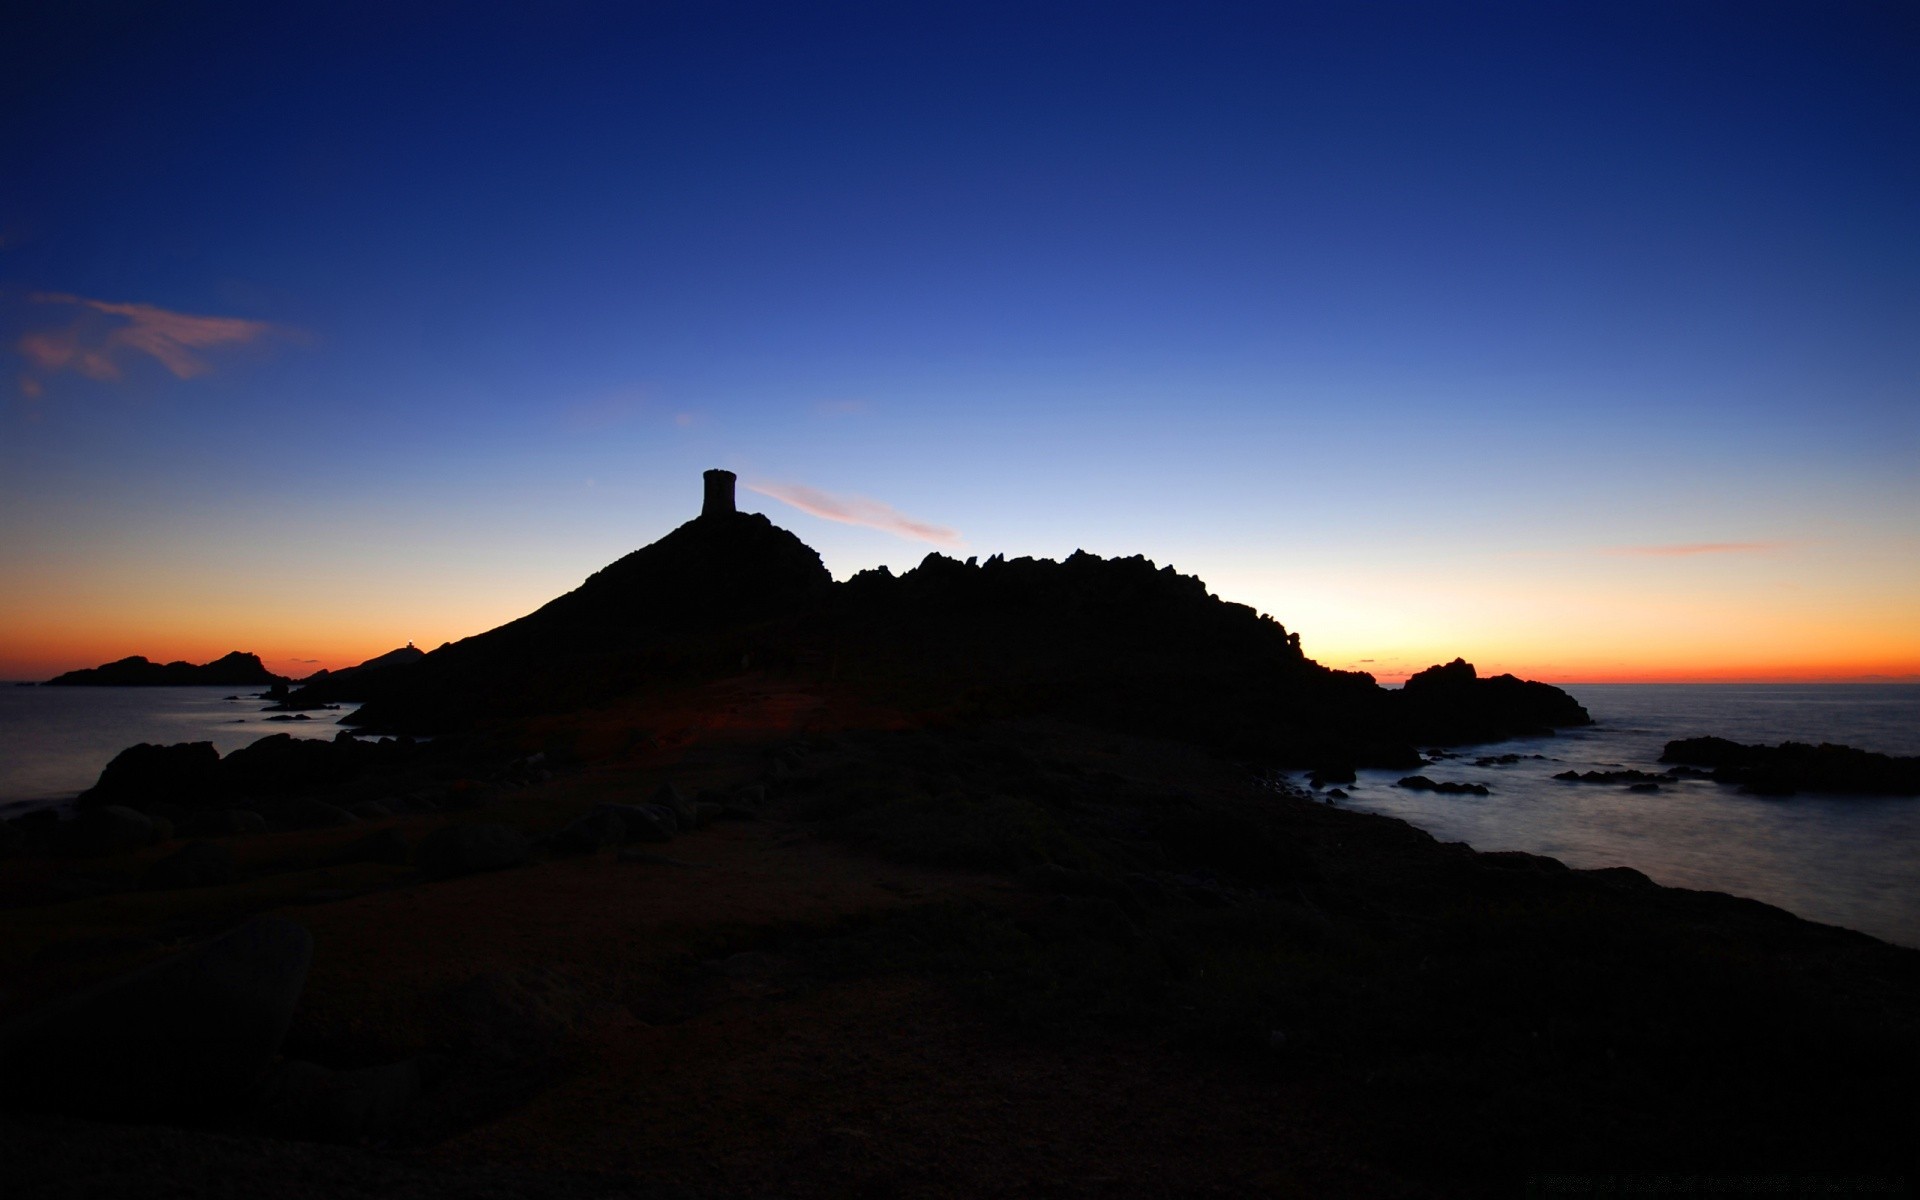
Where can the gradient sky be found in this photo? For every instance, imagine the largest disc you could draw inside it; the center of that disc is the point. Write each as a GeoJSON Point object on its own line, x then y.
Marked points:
{"type": "Point", "coordinates": [1579, 339]}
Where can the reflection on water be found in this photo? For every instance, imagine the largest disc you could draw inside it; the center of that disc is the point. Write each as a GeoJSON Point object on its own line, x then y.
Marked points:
{"type": "Point", "coordinates": [1843, 860]}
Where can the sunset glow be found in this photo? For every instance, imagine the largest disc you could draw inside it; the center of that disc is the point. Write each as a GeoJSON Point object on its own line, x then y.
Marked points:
{"type": "Point", "coordinates": [1577, 342]}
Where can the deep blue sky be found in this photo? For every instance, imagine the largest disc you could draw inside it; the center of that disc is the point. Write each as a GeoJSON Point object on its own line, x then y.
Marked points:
{"type": "Point", "coordinates": [1577, 338]}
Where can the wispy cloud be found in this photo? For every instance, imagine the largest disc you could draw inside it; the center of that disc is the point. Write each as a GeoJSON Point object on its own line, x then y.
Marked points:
{"type": "Point", "coordinates": [857, 510]}
{"type": "Point", "coordinates": [1688, 549]}
{"type": "Point", "coordinates": [96, 341]}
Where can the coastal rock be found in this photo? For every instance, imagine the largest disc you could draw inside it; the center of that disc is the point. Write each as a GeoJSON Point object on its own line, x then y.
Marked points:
{"type": "Point", "coordinates": [110, 829]}
{"type": "Point", "coordinates": [1621, 776]}
{"type": "Point", "coordinates": [382, 845]}
{"type": "Point", "coordinates": [187, 774]}
{"type": "Point", "coordinates": [304, 812]}
{"type": "Point", "coordinates": [600, 828]}
{"type": "Point", "coordinates": [670, 798]}
{"type": "Point", "coordinates": [196, 864]}
{"type": "Point", "coordinates": [468, 849]}
{"type": "Point", "coordinates": [1420, 783]}
{"type": "Point", "coordinates": [644, 822]}
{"type": "Point", "coordinates": [1798, 767]}
{"type": "Point", "coordinates": [280, 764]}
{"type": "Point", "coordinates": [1451, 703]}
{"type": "Point", "coordinates": [222, 822]}
{"type": "Point", "coordinates": [181, 1037]}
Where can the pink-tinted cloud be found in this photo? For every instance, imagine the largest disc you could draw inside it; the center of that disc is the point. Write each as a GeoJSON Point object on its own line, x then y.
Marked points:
{"type": "Point", "coordinates": [857, 510]}
{"type": "Point", "coordinates": [93, 347]}
{"type": "Point", "coordinates": [1688, 549]}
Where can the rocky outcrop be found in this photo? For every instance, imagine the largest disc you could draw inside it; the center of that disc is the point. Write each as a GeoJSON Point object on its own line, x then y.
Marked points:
{"type": "Point", "coordinates": [237, 668]}
{"type": "Point", "coordinates": [192, 776]}
{"type": "Point", "coordinates": [1452, 704]}
{"type": "Point", "coordinates": [1420, 783]}
{"type": "Point", "coordinates": [1798, 767]}
{"type": "Point", "coordinates": [185, 774]}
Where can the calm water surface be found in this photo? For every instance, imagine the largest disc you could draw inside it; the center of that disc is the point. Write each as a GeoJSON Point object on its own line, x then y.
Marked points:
{"type": "Point", "coordinates": [54, 741]}
{"type": "Point", "coordinates": [1842, 860]}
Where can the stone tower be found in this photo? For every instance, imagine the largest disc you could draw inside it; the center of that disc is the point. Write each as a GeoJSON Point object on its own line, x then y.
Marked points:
{"type": "Point", "coordinates": [719, 501]}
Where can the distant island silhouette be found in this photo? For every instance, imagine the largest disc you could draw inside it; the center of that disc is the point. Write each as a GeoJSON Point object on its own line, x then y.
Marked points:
{"type": "Point", "coordinates": [235, 669]}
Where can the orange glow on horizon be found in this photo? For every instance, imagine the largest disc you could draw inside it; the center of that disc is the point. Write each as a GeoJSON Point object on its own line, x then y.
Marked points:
{"type": "Point", "coordinates": [57, 650]}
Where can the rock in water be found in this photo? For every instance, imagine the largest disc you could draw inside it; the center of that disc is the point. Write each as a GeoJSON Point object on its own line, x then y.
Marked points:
{"type": "Point", "coordinates": [186, 1036]}
{"type": "Point", "coordinates": [1797, 767]}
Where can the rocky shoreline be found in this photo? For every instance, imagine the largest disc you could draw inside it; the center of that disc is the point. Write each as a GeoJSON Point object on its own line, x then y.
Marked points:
{"type": "Point", "coordinates": [682, 893]}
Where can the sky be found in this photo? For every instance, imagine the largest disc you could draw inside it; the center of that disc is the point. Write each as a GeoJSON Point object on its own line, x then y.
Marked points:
{"type": "Point", "coordinates": [1579, 339]}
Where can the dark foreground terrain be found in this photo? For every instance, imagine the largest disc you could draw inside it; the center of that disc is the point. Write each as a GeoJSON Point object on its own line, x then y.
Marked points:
{"type": "Point", "coordinates": [907, 954]}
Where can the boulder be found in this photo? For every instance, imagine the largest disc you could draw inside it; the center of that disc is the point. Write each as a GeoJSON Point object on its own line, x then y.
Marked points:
{"type": "Point", "coordinates": [196, 864]}
{"type": "Point", "coordinates": [110, 829]}
{"type": "Point", "coordinates": [304, 812]}
{"type": "Point", "coordinates": [188, 1035]}
{"type": "Point", "coordinates": [684, 811]}
{"type": "Point", "coordinates": [223, 822]}
{"type": "Point", "coordinates": [644, 822]}
{"type": "Point", "coordinates": [467, 849]}
{"type": "Point", "coordinates": [382, 845]}
{"type": "Point", "coordinates": [187, 774]}
{"type": "Point", "coordinates": [601, 827]}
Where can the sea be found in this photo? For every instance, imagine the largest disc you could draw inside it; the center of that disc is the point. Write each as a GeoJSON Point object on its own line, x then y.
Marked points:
{"type": "Point", "coordinates": [54, 741]}
{"type": "Point", "coordinates": [1852, 861]}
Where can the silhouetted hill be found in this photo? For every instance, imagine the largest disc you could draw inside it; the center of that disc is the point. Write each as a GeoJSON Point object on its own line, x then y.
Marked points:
{"type": "Point", "coordinates": [404, 656]}
{"type": "Point", "coordinates": [1117, 641]}
{"type": "Point", "coordinates": [694, 595]}
{"type": "Point", "coordinates": [232, 669]}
